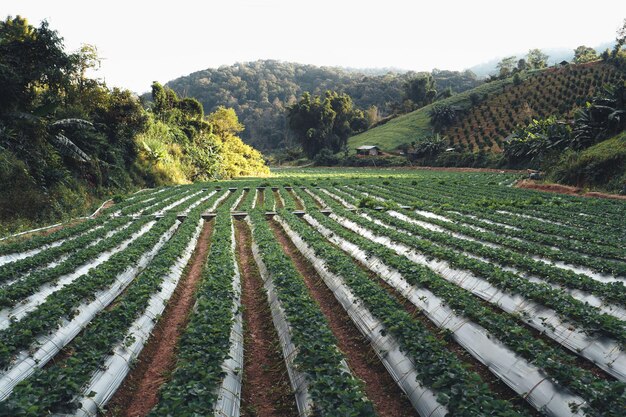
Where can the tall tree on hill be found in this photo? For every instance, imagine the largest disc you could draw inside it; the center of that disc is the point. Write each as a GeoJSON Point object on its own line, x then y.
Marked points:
{"type": "Point", "coordinates": [620, 40]}
{"type": "Point", "coordinates": [325, 122]}
{"type": "Point", "coordinates": [536, 59]}
{"type": "Point", "coordinates": [506, 66]}
{"type": "Point", "coordinates": [421, 90]}
{"type": "Point", "coordinates": [584, 54]}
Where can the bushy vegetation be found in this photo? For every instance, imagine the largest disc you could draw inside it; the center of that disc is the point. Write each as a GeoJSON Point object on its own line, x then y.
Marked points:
{"type": "Point", "coordinates": [324, 122]}
{"type": "Point", "coordinates": [261, 91]}
{"type": "Point", "coordinates": [67, 141]}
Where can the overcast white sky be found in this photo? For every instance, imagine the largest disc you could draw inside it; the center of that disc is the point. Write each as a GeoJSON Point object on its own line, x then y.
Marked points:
{"type": "Point", "coordinates": [142, 40]}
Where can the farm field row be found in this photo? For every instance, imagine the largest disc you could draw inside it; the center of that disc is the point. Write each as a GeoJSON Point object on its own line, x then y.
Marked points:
{"type": "Point", "coordinates": [323, 293]}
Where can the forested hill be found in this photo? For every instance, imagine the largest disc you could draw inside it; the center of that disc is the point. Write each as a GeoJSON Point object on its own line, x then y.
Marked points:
{"type": "Point", "coordinates": [260, 91]}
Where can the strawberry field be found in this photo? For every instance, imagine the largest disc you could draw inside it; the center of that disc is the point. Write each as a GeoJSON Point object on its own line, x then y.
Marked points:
{"type": "Point", "coordinates": [321, 293]}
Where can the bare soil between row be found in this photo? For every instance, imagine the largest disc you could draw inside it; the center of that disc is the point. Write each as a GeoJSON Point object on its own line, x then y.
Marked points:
{"type": "Point", "coordinates": [139, 392]}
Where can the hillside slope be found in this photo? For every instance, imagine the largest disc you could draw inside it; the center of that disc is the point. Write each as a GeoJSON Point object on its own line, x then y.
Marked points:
{"type": "Point", "coordinates": [260, 92]}
{"type": "Point", "coordinates": [489, 113]}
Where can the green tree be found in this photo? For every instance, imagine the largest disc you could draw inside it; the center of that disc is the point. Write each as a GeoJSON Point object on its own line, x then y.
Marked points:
{"type": "Point", "coordinates": [506, 66]}
{"type": "Point", "coordinates": [620, 40]}
{"type": "Point", "coordinates": [30, 59]}
{"type": "Point", "coordinates": [584, 54]}
{"type": "Point", "coordinates": [422, 89]}
{"type": "Point", "coordinates": [325, 122]}
{"type": "Point", "coordinates": [536, 59]}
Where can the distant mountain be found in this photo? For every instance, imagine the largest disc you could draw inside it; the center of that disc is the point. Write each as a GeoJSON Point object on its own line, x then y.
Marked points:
{"type": "Point", "coordinates": [556, 55]}
{"type": "Point", "coordinates": [261, 91]}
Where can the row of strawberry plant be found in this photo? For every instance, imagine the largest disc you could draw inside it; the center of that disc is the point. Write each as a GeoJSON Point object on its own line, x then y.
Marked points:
{"type": "Point", "coordinates": [615, 291]}
{"type": "Point", "coordinates": [532, 207]}
{"type": "Point", "coordinates": [498, 288]}
{"type": "Point", "coordinates": [12, 270]}
{"type": "Point", "coordinates": [603, 395]}
{"type": "Point", "coordinates": [587, 317]}
{"type": "Point", "coordinates": [560, 207]}
{"type": "Point", "coordinates": [332, 390]}
{"type": "Point", "coordinates": [193, 389]}
{"type": "Point", "coordinates": [42, 393]}
{"type": "Point", "coordinates": [460, 390]}
{"type": "Point", "coordinates": [248, 199]}
{"type": "Point", "coordinates": [524, 228]}
{"type": "Point", "coordinates": [29, 285]}
{"type": "Point", "coordinates": [13, 293]}
{"type": "Point", "coordinates": [148, 201]}
{"type": "Point", "coordinates": [62, 304]}
{"type": "Point", "coordinates": [269, 202]}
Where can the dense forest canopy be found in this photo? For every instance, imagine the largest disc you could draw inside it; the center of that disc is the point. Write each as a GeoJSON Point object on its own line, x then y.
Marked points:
{"type": "Point", "coordinates": [261, 91]}
{"type": "Point", "coordinates": [67, 140]}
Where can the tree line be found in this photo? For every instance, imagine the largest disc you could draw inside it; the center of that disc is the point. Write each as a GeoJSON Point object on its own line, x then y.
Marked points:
{"type": "Point", "coordinates": [67, 140]}
{"type": "Point", "coordinates": [261, 92]}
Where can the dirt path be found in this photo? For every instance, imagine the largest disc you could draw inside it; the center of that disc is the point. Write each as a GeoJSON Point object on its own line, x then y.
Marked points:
{"type": "Point", "coordinates": [139, 392]}
{"type": "Point", "coordinates": [279, 200]}
{"type": "Point", "coordinates": [259, 199]}
{"type": "Point", "coordinates": [299, 205]}
{"type": "Point", "coordinates": [387, 397]}
{"type": "Point", "coordinates": [565, 189]}
{"type": "Point", "coordinates": [242, 201]}
{"type": "Point", "coordinates": [266, 390]}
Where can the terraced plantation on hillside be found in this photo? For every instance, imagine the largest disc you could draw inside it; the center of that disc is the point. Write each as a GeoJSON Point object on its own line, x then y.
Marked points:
{"type": "Point", "coordinates": [489, 113]}
{"type": "Point", "coordinates": [552, 91]}
{"type": "Point", "coordinates": [346, 293]}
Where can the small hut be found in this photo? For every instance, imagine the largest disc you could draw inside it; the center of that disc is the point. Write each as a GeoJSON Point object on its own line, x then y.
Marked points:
{"type": "Point", "coordinates": [368, 150]}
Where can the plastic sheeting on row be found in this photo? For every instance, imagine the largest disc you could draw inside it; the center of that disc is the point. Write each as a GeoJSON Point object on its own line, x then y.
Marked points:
{"type": "Point", "coordinates": [339, 199]}
{"type": "Point", "coordinates": [526, 216]}
{"type": "Point", "coordinates": [55, 225]}
{"type": "Point", "coordinates": [64, 257]}
{"type": "Point", "coordinates": [107, 380]}
{"type": "Point", "coordinates": [586, 297]}
{"type": "Point", "coordinates": [399, 366]}
{"type": "Point", "coordinates": [298, 380]}
{"type": "Point", "coordinates": [299, 200]}
{"type": "Point", "coordinates": [47, 346]}
{"type": "Point", "coordinates": [12, 257]}
{"type": "Point", "coordinates": [17, 312]}
{"type": "Point", "coordinates": [219, 200]}
{"type": "Point", "coordinates": [316, 198]}
{"type": "Point", "coordinates": [177, 203]}
{"type": "Point", "coordinates": [557, 264]}
{"type": "Point", "coordinates": [229, 393]}
{"type": "Point", "coordinates": [279, 198]}
{"type": "Point", "coordinates": [603, 351]}
{"type": "Point", "coordinates": [237, 201]}
{"type": "Point", "coordinates": [256, 198]}
{"type": "Point", "coordinates": [200, 201]}
{"type": "Point", "coordinates": [523, 377]}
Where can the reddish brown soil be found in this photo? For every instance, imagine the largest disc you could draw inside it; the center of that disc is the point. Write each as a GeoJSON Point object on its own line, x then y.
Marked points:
{"type": "Point", "coordinates": [499, 388]}
{"type": "Point", "coordinates": [299, 205]}
{"type": "Point", "coordinates": [387, 398]}
{"type": "Point", "coordinates": [566, 189]}
{"type": "Point", "coordinates": [278, 199]}
{"type": "Point", "coordinates": [452, 169]}
{"type": "Point", "coordinates": [266, 391]}
{"type": "Point", "coordinates": [245, 194]}
{"type": "Point", "coordinates": [139, 392]}
{"type": "Point", "coordinates": [260, 198]}
{"type": "Point", "coordinates": [107, 205]}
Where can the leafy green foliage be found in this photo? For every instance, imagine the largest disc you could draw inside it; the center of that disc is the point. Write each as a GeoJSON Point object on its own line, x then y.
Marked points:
{"type": "Point", "coordinates": [330, 387]}
{"type": "Point", "coordinates": [261, 91]}
{"type": "Point", "coordinates": [325, 122]}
